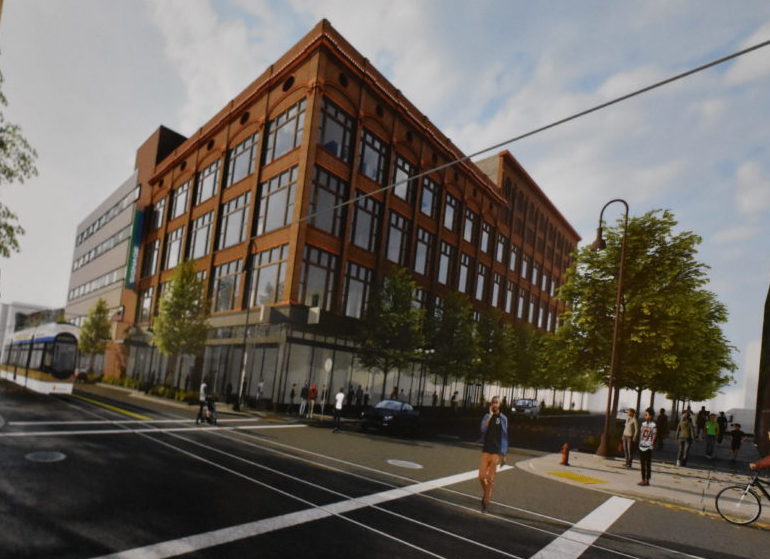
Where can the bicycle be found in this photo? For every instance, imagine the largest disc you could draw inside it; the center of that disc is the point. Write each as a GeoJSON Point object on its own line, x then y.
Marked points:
{"type": "Point", "coordinates": [742, 504]}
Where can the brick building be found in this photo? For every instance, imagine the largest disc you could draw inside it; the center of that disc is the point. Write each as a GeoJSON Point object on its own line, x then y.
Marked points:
{"type": "Point", "coordinates": [254, 199]}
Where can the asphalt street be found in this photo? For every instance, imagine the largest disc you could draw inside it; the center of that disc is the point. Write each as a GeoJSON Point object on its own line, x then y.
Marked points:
{"type": "Point", "coordinates": [92, 476]}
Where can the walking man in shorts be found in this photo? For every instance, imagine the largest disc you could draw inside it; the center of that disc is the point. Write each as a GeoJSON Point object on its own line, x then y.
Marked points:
{"type": "Point", "coordinates": [494, 436]}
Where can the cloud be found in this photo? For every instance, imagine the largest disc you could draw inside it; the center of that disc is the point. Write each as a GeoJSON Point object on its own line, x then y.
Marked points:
{"type": "Point", "coordinates": [741, 232]}
{"type": "Point", "coordinates": [753, 66]}
{"type": "Point", "coordinates": [752, 188]}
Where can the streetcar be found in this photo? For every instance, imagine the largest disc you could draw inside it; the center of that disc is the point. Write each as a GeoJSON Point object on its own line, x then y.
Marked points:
{"type": "Point", "coordinates": [42, 358]}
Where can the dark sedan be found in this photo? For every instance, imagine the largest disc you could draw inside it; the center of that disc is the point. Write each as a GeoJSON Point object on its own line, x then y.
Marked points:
{"type": "Point", "coordinates": [391, 415]}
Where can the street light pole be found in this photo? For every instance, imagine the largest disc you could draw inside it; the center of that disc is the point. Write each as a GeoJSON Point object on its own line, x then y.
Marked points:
{"type": "Point", "coordinates": [600, 244]}
{"type": "Point", "coordinates": [239, 400]}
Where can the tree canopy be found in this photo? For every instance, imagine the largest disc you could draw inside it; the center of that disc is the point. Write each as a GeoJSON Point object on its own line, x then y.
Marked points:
{"type": "Point", "coordinates": [391, 329]}
{"type": "Point", "coordinates": [17, 163]}
{"type": "Point", "coordinates": [95, 332]}
{"type": "Point", "coordinates": [182, 326]}
{"type": "Point", "coordinates": [670, 337]}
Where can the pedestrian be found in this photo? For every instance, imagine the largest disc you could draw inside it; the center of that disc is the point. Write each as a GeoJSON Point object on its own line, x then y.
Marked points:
{"type": "Point", "coordinates": [494, 433]}
{"type": "Point", "coordinates": [736, 438]}
{"type": "Point", "coordinates": [435, 399]}
{"type": "Point", "coordinates": [351, 395]}
{"type": "Point", "coordinates": [339, 400]}
{"type": "Point", "coordinates": [630, 436]}
{"type": "Point", "coordinates": [203, 394]}
{"type": "Point", "coordinates": [359, 397]}
{"type": "Point", "coordinates": [648, 434]}
{"type": "Point", "coordinates": [722, 421]}
{"type": "Point", "coordinates": [453, 402]}
{"type": "Point", "coordinates": [292, 395]}
{"type": "Point", "coordinates": [402, 396]}
{"type": "Point", "coordinates": [303, 399]}
{"type": "Point", "coordinates": [366, 396]}
{"type": "Point", "coordinates": [684, 435]}
{"type": "Point", "coordinates": [312, 394]}
{"type": "Point", "coordinates": [661, 423]}
{"type": "Point", "coordinates": [712, 430]}
{"type": "Point", "coordinates": [700, 421]}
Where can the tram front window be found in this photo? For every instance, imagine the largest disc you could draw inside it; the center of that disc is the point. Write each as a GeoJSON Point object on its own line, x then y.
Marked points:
{"type": "Point", "coordinates": [64, 357]}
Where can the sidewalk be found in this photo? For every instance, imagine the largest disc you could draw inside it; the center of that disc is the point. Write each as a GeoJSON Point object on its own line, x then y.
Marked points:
{"type": "Point", "coordinates": [690, 488]}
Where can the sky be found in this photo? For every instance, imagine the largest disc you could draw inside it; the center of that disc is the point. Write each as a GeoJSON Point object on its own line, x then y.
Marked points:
{"type": "Point", "coordinates": [89, 80]}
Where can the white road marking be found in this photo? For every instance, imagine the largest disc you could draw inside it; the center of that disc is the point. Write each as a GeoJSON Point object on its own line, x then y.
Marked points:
{"type": "Point", "coordinates": [149, 430]}
{"type": "Point", "coordinates": [572, 543]}
{"type": "Point", "coordinates": [121, 422]}
{"type": "Point", "coordinates": [205, 540]}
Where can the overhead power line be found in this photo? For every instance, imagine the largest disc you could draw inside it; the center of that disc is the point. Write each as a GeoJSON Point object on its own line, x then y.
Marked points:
{"type": "Point", "coordinates": [559, 122]}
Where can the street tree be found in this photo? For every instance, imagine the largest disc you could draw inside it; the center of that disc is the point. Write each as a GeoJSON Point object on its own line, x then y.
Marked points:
{"type": "Point", "coordinates": [391, 329]}
{"type": "Point", "coordinates": [181, 326]}
{"type": "Point", "coordinates": [452, 335]}
{"type": "Point", "coordinates": [495, 357]}
{"type": "Point", "coordinates": [95, 332]}
{"type": "Point", "coordinates": [661, 293]}
{"type": "Point", "coordinates": [17, 164]}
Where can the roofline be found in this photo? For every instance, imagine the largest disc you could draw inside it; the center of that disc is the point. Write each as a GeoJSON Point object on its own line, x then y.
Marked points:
{"type": "Point", "coordinates": [505, 154]}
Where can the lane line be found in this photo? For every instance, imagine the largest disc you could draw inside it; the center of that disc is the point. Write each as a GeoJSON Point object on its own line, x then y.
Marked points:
{"type": "Point", "coordinates": [110, 407]}
{"type": "Point", "coordinates": [123, 421]}
{"type": "Point", "coordinates": [127, 431]}
{"type": "Point", "coordinates": [572, 543]}
{"type": "Point", "coordinates": [231, 534]}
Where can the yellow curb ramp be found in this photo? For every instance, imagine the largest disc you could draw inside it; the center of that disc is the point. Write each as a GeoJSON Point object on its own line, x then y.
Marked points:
{"type": "Point", "coordinates": [572, 476]}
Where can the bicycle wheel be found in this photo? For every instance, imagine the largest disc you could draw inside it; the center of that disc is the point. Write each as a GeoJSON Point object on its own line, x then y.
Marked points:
{"type": "Point", "coordinates": [738, 504]}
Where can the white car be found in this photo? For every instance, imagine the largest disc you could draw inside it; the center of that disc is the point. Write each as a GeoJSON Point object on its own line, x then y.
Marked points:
{"type": "Point", "coordinates": [528, 407]}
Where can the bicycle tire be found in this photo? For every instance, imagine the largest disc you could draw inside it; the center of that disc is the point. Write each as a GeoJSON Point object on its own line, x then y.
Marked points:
{"type": "Point", "coordinates": [738, 504]}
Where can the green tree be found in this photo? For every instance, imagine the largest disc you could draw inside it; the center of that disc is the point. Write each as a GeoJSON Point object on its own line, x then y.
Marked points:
{"type": "Point", "coordinates": [391, 329]}
{"type": "Point", "coordinates": [182, 324]}
{"type": "Point", "coordinates": [452, 335]}
{"type": "Point", "coordinates": [663, 296]}
{"type": "Point", "coordinates": [95, 332]}
{"type": "Point", "coordinates": [17, 163]}
{"type": "Point", "coordinates": [495, 352]}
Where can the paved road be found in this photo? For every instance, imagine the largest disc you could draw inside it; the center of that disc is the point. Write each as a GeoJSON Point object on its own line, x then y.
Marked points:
{"type": "Point", "coordinates": [162, 487]}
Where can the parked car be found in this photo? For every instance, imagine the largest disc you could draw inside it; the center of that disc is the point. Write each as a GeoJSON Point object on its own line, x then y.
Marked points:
{"type": "Point", "coordinates": [528, 407]}
{"type": "Point", "coordinates": [622, 414]}
{"type": "Point", "coordinates": [391, 415]}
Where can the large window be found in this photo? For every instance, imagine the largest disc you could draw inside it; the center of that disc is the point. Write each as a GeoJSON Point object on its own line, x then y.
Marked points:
{"type": "Point", "coordinates": [200, 235]}
{"type": "Point", "coordinates": [336, 132]}
{"type": "Point", "coordinates": [510, 295]}
{"type": "Point", "coordinates": [521, 307]}
{"type": "Point", "coordinates": [401, 177]}
{"type": "Point", "coordinates": [227, 281]}
{"type": "Point", "coordinates": [357, 289]}
{"type": "Point", "coordinates": [486, 237]}
{"type": "Point", "coordinates": [514, 261]}
{"type": "Point", "coordinates": [469, 227]}
{"type": "Point", "coordinates": [464, 276]}
{"type": "Point", "coordinates": [326, 211]}
{"type": "Point", "coordinates": [446, 258]}
{"type": "Point", "coordinates": [366, 222]}
{"type": "Point", "coordinates": [398, 238]}
{"type": "Point", "coordinates": [284, 133]}
{"type": "Point", "coordinates": [451, 212]}
{"type": "Point", "coordinates": [423, 251]}
{"type": "Point", "coordinates": [144, 311]}
{"type": "Point", "coordinates": [429, 199]}
{"type": "Point", "coordinates": [276, 203]}
{"type": "Point", "coordinates": [535, 274]}
{"type": "Point", "coordinates": [173, 248]}
{"type": "Point", "coordinates": [374, 157]}
{"type": "Point", "coordinates": [179, 200]}
{"type": "Point", "coordinates": [208, 179]}
{"type": "Point", "coordinates": [482, 275]}
{"type": "Point", "coordinates": [268, 276]}
{"type": "Point", "coordinates": [500, 249]}
{"type": "Point", "coordinates": [498, 281]}
{"type": "Point", "coordinates": [525, 266]}
{"type": "Point", "coordinates": [319, 272]}
{"type": "Point", "coordinates": [233, 221]}
{"type": "Point", "coordinates": [241, 160]}
{"type": "Point", "coordinates": [157, 215]}
{"type": "Point", "coordinates": [150, 259]}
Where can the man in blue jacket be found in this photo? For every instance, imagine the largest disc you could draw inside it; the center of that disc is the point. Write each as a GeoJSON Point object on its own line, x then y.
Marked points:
{"type": "Point", "coordinates": [494, 436]}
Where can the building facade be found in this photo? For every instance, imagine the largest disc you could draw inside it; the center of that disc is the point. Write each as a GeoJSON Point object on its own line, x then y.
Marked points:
{"type": "Point", "coordinates": [285, 203]}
